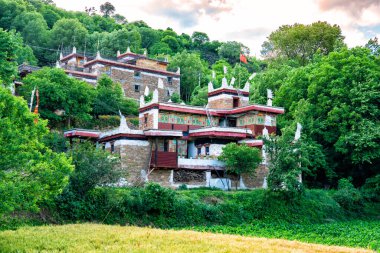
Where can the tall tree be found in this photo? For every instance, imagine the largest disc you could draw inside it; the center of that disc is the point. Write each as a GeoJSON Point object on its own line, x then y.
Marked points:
{"type": "Point", "coordinates": [109, 99]}
{"type": "Point", "coordinates": [69, 33]}
{"type": "Point", "coordinates": [300, 42]}
{"type": "Point", "coordinates": [107, 9]}
{"type": "Point", "coordinates": [341, 110]}
{"type": "Point", "coordinates": [231, 51]}
{"type": "Point", "coordinates": [29, 171]}
{"type": "Point", "coordinates": [8, 64]}
{"type": "Point", "coordinates": [193, 72]}
{"type": "Point", "coordinates": [63, 99]}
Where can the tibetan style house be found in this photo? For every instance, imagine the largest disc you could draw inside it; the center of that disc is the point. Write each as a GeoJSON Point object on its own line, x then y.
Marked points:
{"type": "Point", "coordinates": [179, 144]}
{"type": "Point", "coordinates": [137, 74]}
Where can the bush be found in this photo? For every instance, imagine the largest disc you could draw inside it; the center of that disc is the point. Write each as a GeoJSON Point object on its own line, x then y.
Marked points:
{"type": "Point", "coordinates": [371, 189]}
{"type": "Point", "coordinates": [348, 196]}
{"type": "Point", "coordinates": [158, 200]}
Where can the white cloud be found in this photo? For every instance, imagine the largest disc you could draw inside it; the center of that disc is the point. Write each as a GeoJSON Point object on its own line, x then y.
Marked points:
{"type": "Point", "coordinates": [247, 21]}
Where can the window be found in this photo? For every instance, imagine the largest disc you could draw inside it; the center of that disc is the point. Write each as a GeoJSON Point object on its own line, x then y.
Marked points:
{"type": "Point", "coordinates": [235, 102]}
{"type": "Point", "coordinates": [137, 88]}
{"type": "Point", "coordinates": [166, 145]}
{"type": "Point", "coordinates": [137, 74]}
{"type": "Point", "coordinates": [207, 150]}
{"type": "Point", "coordinates": [145, 119]}
{"type": "Point", "coordinates": [170, 80]}
{"type": "Point", "coordinates": [199, 150]}
{"type": "Point", "coordinates": [168, 93]}
{"type": "Point", "coordinates": [112, 147]}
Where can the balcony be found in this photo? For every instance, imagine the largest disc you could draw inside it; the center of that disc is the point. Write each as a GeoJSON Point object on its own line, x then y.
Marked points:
{"type": "Point", "coordinates": [164, 160]}
{"type": "Point", "coordinates": [200, 164]}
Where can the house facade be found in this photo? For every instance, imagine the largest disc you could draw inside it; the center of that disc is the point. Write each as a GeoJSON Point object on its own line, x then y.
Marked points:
{"type": "Point", "coordinates": [178, 144]}
{"type": "Point", "coordinates": [137, 74]}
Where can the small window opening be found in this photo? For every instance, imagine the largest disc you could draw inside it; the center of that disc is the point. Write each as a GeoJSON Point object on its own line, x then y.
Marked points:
{"type": "Point", "coordinates": [137, 74]}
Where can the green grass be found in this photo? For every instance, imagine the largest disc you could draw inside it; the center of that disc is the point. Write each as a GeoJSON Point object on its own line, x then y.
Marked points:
{"type": "Point", "coordinates": [356, 233]}
{"type": "Point", "coordinates": [106, 238]}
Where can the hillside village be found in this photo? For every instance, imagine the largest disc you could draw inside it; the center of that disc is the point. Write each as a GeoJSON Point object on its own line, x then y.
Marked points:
{"type": "Point", "coordinates": [114, 122]}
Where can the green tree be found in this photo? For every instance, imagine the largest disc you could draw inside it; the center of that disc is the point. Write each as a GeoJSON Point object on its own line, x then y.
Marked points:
{"type": "Point", "coordinates": [8, 56]}
{"type": "Point", "coordinates": [199, 38]}
{"type": "Point", "coordinates": [109, 99]}
{"type": "Point", "coordinates": [193, 71]}
{"type": "Point", "coordinates": [373, 45]}
{"type": "Point", "coordinates": [342, 111]}
{"type": "Point", "coordinates": [93, 167]}
{"type": "Point", "coordinates": [300, 42]}
{"type": "Point", "coordinates": [172, 42]}
{"type": "Point", "coordinates": [29, 171]}
{"type": "Point", "coordinates": [107, 9]}
{"type": "Point", "coordinates": [120, 19]}
{"type": "Point", "coordinates": [63, 99]}
{"type": "Point", "coordinates": [240, 159]}
{"type": "Point", "coordinates": [231, 51]}
{"type": "Point", "coordinates": [199, 96]}
{"type": "Point", "coordinates": [160, 48]}
{"type": "Point", "coordinates": [68, 32]}
{"type": "Point", "coordinates": [149, 37]}
{"type": "Point", "coordinates": [9, 9]}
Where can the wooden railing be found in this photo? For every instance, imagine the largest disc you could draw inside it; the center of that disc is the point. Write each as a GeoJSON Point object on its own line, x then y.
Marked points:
{"type": "Point", "coordinates": [164, 160]}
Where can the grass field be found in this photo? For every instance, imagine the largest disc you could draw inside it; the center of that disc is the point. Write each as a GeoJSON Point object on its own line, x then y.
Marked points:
{"type": "Point", "coordinates": [106, 238]}
{"type": "Point", "coordinates": [356, 233]}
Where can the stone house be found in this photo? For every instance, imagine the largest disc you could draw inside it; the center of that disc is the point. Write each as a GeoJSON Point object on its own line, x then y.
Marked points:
{"type": "Point", "coordinates": [137, 74]}
{"type": "Point", "coordinates": [179, 144]}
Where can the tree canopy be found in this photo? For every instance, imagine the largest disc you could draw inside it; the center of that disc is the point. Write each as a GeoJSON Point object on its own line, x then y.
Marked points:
{"type": "Point", "coordinates": [300, 42]}
{"type": "Point", "coordinates": [29, 171]}
{"type": "Point", "coordinates": [63, 99]}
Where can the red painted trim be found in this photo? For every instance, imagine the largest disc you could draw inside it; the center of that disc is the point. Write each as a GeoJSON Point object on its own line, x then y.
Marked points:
{"type": "Point", "coordinates": [165, 126]}
{"type": "Point", "coordinates": [81, 134]}
{"type": "Point", "coordinates": [253, 108]}
{"type": "Point", "coordinates": [108, 138]}
{"type": "Point", "coordinates": [180, 109]}
{"type": "Point", "coordinates": [67, 57]}
{"type": "Point", "coordinates": [148, 107]}
{"type": "Point", "coordinates": [218, 134]}
{"type": "Point", "coordinates": [254, 145]}
{"type": "Point", "coordinates": [219, 113]}
{"type": "Point", "coordinates": [128, 53]}
{"type": "Point", "coordinates": [245, 93]}
{"type": "Point", "coordinates": [130, 66]}
{"type": "Point", "coordinates": [78, 73]}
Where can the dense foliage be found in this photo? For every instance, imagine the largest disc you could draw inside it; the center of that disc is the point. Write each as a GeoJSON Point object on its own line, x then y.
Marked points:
{"type": "Point", "coordinates": [30, 172]}
{"type": "Point", "coordinates": [240, 158]}
{"type": "Point", "coordinates": [68, 102]}
{"type": "Point", "coordinates": [63, 99]}
{"type": "Point", "coordinates": [336, 99]}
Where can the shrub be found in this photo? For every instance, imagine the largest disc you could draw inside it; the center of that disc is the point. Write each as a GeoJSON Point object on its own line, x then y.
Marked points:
{"type": "Point", "coordinates": [371, 189]}
{"type": "Point", "coordinates": [158, 200]}
{"type": "Point", "coordinates": [348, 196]}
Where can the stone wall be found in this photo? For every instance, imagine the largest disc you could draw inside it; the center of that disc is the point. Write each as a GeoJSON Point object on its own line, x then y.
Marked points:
{"type": "Point", "coordinates": [222, 103]}
{"type": "Point", "coordinates": [160, 176]}
{"type": "Point", "coordinates": [257, 180]}
{"type": "Point", "coordinates": [128, 80]}
{"type": "Point", "coordinates": [149, 123]}
{"type": "Point", "coordinates": [151, 64]}
{"type": "Point", "coordinates": [134, 159]}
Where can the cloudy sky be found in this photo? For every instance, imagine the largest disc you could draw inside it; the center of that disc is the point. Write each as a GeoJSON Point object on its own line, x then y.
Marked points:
{"type": "Point", "coordinates": [247, 21]}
